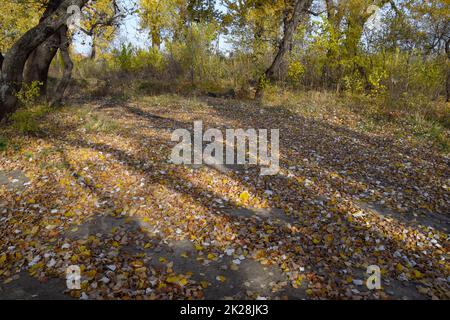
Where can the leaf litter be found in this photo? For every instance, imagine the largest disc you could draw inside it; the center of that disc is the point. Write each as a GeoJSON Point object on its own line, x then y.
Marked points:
{"type": "Point", "coordinates": [322, 247]}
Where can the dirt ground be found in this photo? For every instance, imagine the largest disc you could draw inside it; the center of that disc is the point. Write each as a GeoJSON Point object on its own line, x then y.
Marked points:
{"type": "Point", "coordinates": [95, 188]}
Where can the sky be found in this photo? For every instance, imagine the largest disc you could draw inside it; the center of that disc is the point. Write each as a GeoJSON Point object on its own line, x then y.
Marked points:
{"type": "Point", "coordinates": [130, 32]}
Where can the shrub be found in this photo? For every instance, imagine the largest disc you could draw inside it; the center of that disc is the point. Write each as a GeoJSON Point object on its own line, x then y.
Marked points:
{"type": "Point", "coordinates": [29, 93]}
{"type": "Point", "coordinates": [27, 120]}
{"type": "Point", "coordinates": [3, 143]}
{"type": "Point", "coordinates": [99, 123]}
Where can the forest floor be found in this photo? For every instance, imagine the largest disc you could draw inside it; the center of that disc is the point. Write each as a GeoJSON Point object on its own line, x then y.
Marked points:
{"type": "Point", "coordinates": [93, 187]}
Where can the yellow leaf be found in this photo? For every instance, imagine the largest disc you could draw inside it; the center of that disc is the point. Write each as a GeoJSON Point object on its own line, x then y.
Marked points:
{"type": "Point", "coordinates": [161, 285]}
{"type": "Point", "coordinates": [180, 280]}
{"type": "Point", "coordinates": [244, 196]}
{"type": "Point", "coordinates": [399, 267]}
{"type": "Point", "coordinates": [136, 264]}
{"type": "Point", "coordinates": [234, 267]}
{"type": "Point", "coordinates": [417, 274]}
{"type": "Point", "coordinates": [91, 274]}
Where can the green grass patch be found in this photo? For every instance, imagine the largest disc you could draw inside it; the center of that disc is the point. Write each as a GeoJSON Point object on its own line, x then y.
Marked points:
{"type": "Point", "coordinates": [28, 120]}
{"type": "Point", "coordinates": [100, 123]}
{"type": "Point", "coordinates": [3, 143]}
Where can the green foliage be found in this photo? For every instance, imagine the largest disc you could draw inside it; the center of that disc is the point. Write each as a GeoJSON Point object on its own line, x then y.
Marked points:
{"type": "Point", "coordinates": [99, 123]}
{"type": "Point", "coordinates": [124, 56]}
{"type": "Point", "coordinates": [296, 71]}
{"type": "Point", "coordinates": [29, 93]}
{"type": "Point", "coordinates": [17, 17]}
{"type": "Point", "coordinates": [130, 59]}
{"type": "Point", "coordinates": [3, 143]}
{"type": "Point", "coordinates": [195, 54]}
{"type": "Point", "coordinates": [27, 120]}
{"type": "Point", "coordinates": [152, 59]}
{"type": "Point", "coordinates": [430, 130]}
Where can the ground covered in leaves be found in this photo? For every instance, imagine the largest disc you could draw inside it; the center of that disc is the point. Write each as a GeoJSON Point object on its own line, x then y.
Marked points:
{"type": "Point", "coordinates": [94, 187]}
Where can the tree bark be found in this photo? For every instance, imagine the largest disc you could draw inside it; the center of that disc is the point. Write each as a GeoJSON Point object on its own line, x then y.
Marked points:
{"type": "Point", "coordinates": [68, 66]}
{"type": "Point", "coordinates": [156, 38]}
{"type": "Point", "coordinates": [290, 27]}
{"type": "Point", "coordinates": [93, 53]}
{"type": "Point", "coordinates": [447, 83]}
{"type": "Point", "coordinates": [13, 65]}
{"type": "Point", "coordinates": [38, 63]}
{"type": "Point", "coordinates": [335, 14]}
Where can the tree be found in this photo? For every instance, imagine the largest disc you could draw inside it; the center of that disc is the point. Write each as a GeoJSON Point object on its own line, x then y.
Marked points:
{"type": "Point", "coordinates": [17, 17]}
{"type": "Point", "coordinates": [156, 15]}
{"type": "Point", "coordinates": [38, 63]}
{"type": "Point", "coordinates": [290, 23]}
{"type": "Point", "coordinates": [16, 57]}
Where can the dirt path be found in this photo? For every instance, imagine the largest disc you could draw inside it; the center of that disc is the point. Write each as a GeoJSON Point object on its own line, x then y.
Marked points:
{"type": "Point", "coordinates": [95, 189]}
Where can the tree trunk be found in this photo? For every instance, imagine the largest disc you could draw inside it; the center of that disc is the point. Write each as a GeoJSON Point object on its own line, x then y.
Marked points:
{"type": "Point", "coordinates": [15, 59]}
{"type": "Point", "coordinates": [38, 63]}
{"type": "Point", "coordinates": [93, 54]}
{"type": "Point", "coordinates": [156, 38]}
{"type": "Point", "coordinates": [334, 16]}
{"type": "Point", "coordinates": [290, 26]}
{"type": "Point", "coordinates": [353, 34]}
{"type": "Point", "coordinates": [68, 66]}
{"type": "Point", "coordinates": [447, 83]}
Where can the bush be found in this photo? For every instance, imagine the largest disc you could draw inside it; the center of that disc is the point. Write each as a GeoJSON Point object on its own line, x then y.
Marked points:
{"type": "Point", "coordinates": [3, 143]}
{"type": "Point", "coordinates": [99, 123]}
{"type": "Point", "coordinates": [29, 93]}
{"type": "Point", "coordinates": [27, 120]}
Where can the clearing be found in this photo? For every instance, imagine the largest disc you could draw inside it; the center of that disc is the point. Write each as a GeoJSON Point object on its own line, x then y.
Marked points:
{"type": "Point", "coordinates": [94, 187]}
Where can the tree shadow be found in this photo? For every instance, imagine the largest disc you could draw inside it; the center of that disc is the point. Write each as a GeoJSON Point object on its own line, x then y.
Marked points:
{"type": "Point", "coordinates": [299, 224]}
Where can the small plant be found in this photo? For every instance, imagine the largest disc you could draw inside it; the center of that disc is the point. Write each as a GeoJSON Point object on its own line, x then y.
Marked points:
{"type": "Point", "coordinates": [98, 123]}
{"type": "Point", "coordinates": [124, 57]}
{"type": "Point", "coordinates": [296, 71]}
{"type": "Point", "coordinates": [3, 143]}
{"type": "Point", "coordinates": [29, 93]}
{"type": "Point", "coordinates": [26, 120]}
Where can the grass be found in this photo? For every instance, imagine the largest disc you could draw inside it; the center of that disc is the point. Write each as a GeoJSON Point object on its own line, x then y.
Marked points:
{"type": "Point", "coordinates": [430, 131]}
{"type": "Point", "coordinates": [3, 143]}
{"type": "Point", "coordinates": [426, 122]}
{"type": "Point", "coordinates": [100, 123]}
{"type": "Point", "coordinates": [27, 120]}
{"type": "Point", "coordinates": [410, 117]}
